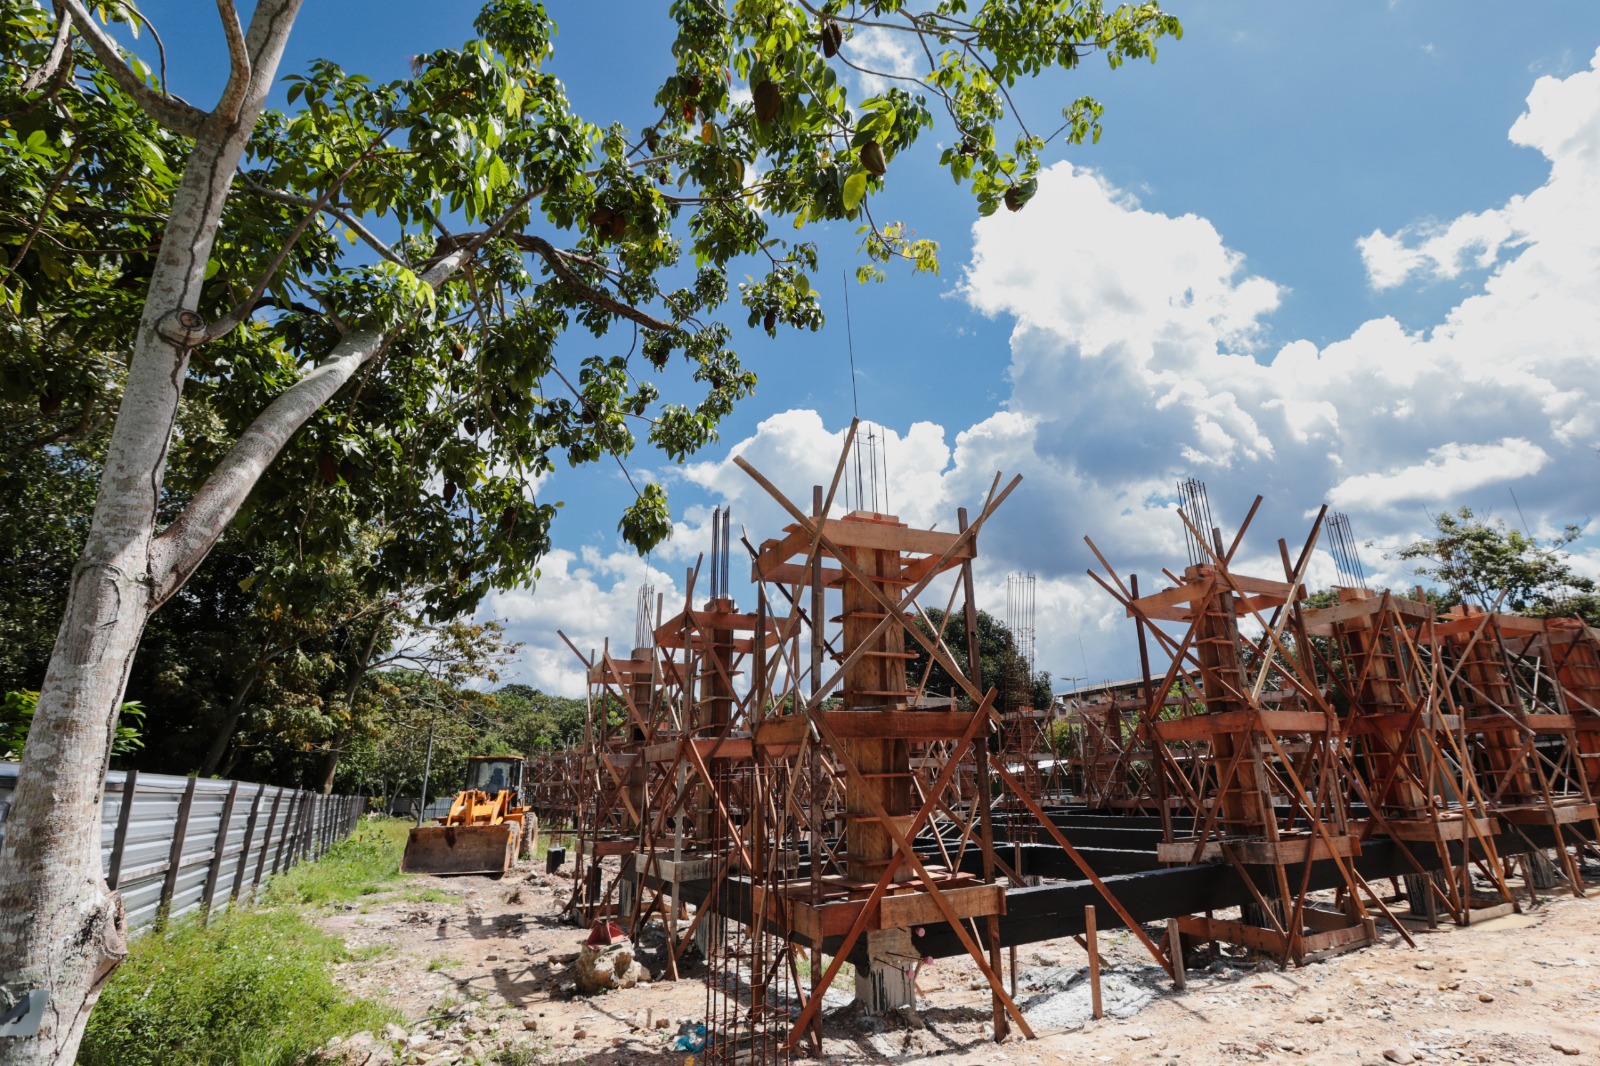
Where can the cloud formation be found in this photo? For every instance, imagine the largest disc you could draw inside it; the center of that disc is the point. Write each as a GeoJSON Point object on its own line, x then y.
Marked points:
{"type": "Point", "coordinates": [1136, 357]}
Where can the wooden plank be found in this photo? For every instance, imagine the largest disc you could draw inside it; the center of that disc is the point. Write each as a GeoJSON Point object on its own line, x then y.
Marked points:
{"type": "Point", "coordinates": [208, 892]}
{"type": "Point", "coordinates": [797, 574]}
{"type": "Point", "coordinates": [1092, 944]}
{"type": "Point", "coordinates": [266, 840]}
{"type": "Point", "coordinates": [249, 840]}
{"type": "Point", "coordinates": [1266, 941]}
{"type": "Point", "coordinates": [1453, 826]}
{"type": "Point", "coordinates": [1180, 976]}
{"type": "Point", "coordinates": [283, 838]}
{"type": "Point", "coordinates": [918, 908]}
{"type": "Point", "coordinates": [1327, 617]}
{"type": "Point", "coordinates": [1205, 726]}
{"type": "Point", "coordinates": [1562, 814]}
{"type": "Point", "coordinates": [897, 724]}
{"type": "Point", "coordinates": [1163, 603]}
{"type": "Point", "coordinates": [1261, 852]}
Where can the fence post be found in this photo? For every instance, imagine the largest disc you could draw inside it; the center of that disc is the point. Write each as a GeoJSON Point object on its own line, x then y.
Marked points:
{"type": "Point", "coordinates": [208, 891]}
{"type": "Point", "coordinates": [266, 842]}
{"type": "Point", "coordinates": [323, 826]}
{"type": "Point", "coordinates": [130, 788]}
{"type": "Point", "coordinates": [249, 841]}
{"type": "Point", "coordinates": [175, 855]}
{"type": "Point", "coordinates": [288, 831]}
{"type": "Point", "coordinates": [302, 840]}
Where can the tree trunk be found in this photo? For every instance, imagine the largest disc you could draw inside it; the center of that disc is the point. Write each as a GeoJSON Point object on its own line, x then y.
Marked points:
{"type": "Point", "coordinates": [62, 930]}
{"type": "Point", "coordinates": [330, 765]}
{"type": "Point", "coordinates": [219, 745]}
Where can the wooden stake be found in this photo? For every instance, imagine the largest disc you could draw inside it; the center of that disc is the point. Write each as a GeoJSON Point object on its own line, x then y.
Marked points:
{"type": "Point", "coordinates": [1094, 959]}
{"type": "Point", "coordinates": [1180, 979]}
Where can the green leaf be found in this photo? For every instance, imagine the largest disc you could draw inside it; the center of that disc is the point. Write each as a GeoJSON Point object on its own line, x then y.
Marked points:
{"type": "Point", "coordinates": [855, 187]}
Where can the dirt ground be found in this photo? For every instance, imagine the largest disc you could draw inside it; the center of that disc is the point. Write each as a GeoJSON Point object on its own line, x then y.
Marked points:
{"type": "Point", "coordinates": [482, 970]}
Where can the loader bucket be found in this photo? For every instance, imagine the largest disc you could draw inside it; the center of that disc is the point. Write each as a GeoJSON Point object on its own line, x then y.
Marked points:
{"type": "Point", "coordinates": [461, 849]}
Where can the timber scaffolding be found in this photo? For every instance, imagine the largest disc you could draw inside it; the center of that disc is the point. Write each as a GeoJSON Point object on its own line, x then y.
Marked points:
{"type": "Point", "coordinates": [779, 794]}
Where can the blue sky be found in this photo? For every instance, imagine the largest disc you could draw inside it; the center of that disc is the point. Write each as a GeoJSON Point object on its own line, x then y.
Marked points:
{"type": "Point", "coordinates": [1324, 251]}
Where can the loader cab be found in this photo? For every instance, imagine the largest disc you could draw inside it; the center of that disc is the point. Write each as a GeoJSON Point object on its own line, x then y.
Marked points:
{"type": "Point", "coordinates": [494, 774]}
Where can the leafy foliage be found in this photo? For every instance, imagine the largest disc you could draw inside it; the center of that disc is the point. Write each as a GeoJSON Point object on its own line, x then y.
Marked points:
{"type": "Point", "coordinates": [568, 225]}
{"type": "Point", "coordinates": [1003, 666]}
{"type": "Point", "coordinates": [16, 715]}
{"type": "Point", "coordinates": [1486, 563]}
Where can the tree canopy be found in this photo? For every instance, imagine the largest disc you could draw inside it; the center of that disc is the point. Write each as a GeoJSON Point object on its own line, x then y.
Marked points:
{"type": "Point", "coordinates": [1484, 562]}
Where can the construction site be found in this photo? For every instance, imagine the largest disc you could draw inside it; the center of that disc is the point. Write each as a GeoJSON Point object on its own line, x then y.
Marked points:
{"type": "Point", "coordinates": [773, 804]}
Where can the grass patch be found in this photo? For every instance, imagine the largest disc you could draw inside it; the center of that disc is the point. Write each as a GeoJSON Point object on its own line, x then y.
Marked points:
{"type": "Point", "coordinates": [365, 862]}
{"type": "Point", "coordinates": [251, 989]}
{"type": "Point", "coordinates": [428, 895]}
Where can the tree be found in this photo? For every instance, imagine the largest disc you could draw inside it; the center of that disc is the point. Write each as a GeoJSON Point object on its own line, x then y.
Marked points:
{"type": "Point", "coordinates": [215, 257]}
{"type": "Point", "coordinates": [1486, 563]}
{"type": "Point", "coordinates": [1004, 668]}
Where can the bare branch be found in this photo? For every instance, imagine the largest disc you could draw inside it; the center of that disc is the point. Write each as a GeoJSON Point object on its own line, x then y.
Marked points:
{"type": "Point", "coordinates": [178, 116]}
{"type": "Point", "coordinates": [52, 62]}
{"type": "Point", "coordinates": [336, 210]}
{"type": "Point", "coordinates": [238, 57]}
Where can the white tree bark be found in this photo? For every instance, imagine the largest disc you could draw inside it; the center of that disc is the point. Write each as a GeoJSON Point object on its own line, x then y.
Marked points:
{"type": "Point", "coordinates": [61, 929]}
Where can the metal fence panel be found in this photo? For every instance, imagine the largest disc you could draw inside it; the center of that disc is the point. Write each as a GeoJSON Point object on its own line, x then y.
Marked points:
{"type": "Point", "coordinates": [139, 838]}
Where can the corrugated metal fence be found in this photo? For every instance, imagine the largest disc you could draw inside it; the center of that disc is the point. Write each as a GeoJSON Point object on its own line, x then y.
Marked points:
{"type": "Point", "coordinates": [187, 843]}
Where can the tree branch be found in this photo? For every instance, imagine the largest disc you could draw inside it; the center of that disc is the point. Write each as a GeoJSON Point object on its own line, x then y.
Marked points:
{"type": "Point", "coordinates": [183, 545]}
{"type": "Point", "coordinates": [557, 260]}
{"type": "Point", "coordinates": [238, 57]}
{"type": "Point", "coordinates": [335, 210]}
{"type": "Point", "coordinates": [178, 116]}
{"type": "Point", "coordinates": [58, 52]}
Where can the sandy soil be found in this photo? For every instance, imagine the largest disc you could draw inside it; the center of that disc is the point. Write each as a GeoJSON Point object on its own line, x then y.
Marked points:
{"type": "Point", "coordinates": [481, 968]}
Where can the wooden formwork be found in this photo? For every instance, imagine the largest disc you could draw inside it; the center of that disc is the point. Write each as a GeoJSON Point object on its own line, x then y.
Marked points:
{"type": "Point", "coordinates": [625, 715]}
{"type": "Point", "coordinates": [1117, 765]}
{"type": "Point", "coordinates": [1266, 789]}
{"type": "Point", "coordinates": [699, 805]}
{"type": "Point", "coordinates": [1407, 757]}
{"type": "Point", "coordinates": [1518, 719]}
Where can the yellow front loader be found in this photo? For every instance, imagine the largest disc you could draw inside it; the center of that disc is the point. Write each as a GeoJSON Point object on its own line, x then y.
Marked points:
{"type": "Point", "coordinates": [486, 828]}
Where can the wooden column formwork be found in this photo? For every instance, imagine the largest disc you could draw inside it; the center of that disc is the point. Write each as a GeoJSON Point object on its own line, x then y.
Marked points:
{"type": "Point", "coordinates": [1407, 758]}
{"type": "Point", "coordinates": [625, 715]}
{"type": "Point", "coordinates": [1527, 745]}
{"type": "Point", "coordinates": [1264, 782]}
{"type": "Point", "coordinates": [699, 812]}
{"type": "Point", "coordinates": [854, 717]}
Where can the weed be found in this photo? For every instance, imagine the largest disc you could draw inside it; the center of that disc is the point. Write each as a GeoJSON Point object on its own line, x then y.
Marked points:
{"type": "Point", "coordinates": [519, 1054]}
{"type": "Point", "coordinates": [442, 962]}
{"type": "Point", "coordinates": [427, 895]}
{"type": "Point", "coordinates": [250, 989]}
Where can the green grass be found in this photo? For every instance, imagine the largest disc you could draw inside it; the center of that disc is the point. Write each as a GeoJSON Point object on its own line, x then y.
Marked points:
{"type": "Point", "coordinates": [366, 862]}
{"type": "Point", "coordinates": [427, 895]}
{"type": "Point", "coordinates": [253, 988]}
